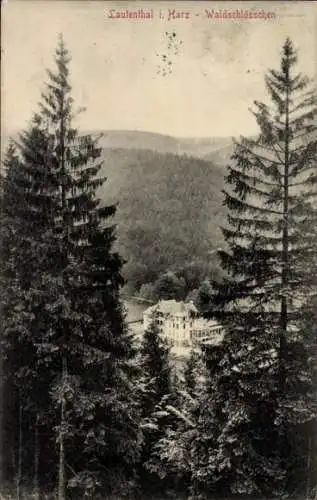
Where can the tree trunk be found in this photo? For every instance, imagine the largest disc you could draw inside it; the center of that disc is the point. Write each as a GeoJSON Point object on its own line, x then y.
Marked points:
{"type": "Point", "coordinates": [285, 259]}
{"type": "Point", "coordinates": [308, 472]}
{"type": "Point", "coordinates": [19, 464]}
{"type": "Point", "coordinates": [36, 460]}
{"type": "Point", "coordinates": [61, 469]}
{"type": "Point", "coordinates": [61, 472]}
{"type": "Point", "coordinates": [284, 281]}
{"type": "Point", "coordinates": [2, 452]}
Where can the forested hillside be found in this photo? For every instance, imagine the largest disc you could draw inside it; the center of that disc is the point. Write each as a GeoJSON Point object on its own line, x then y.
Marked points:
{"type": "Point", "coordinates": [169, 212]}
{"type": "Point", "coordinates": [169, 199]}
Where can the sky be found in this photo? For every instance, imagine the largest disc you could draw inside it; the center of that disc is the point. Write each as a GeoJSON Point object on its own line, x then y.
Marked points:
{"type": "Point", "coordinates": [216, 69]}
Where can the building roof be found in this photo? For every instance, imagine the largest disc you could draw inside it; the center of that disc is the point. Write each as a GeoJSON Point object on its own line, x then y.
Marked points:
{"type": "Point", "coordinates": [172, 307]}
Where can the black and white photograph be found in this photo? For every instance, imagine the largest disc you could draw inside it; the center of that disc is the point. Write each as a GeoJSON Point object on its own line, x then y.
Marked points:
{"type": "Point", "coordinates": [158, 250]}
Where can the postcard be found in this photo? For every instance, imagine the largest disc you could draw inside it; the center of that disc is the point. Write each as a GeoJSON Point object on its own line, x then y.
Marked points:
{"type": "Point", "coordinates": [158, 249]}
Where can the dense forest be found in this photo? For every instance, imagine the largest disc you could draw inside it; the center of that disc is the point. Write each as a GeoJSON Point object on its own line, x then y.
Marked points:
{"type": "Point", "coordinates": [168, 215]}
{"type": "Point", "coordinates": [87, 412]}
{"type": "Point", "coordinates": [168, 195]}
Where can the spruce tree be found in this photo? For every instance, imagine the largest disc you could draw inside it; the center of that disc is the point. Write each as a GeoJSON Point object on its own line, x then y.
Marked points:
{"type": "Point", "coordinates": [156, 391]}
{"type": "Point", "coordinates": [186, 449]}
{"type": "Point", "coordinates": [25, 243]}
{"type": "Point", "coordinates": [265, 386]}
{"type": "Point", "coordinates": [190, 371]}
{"type": "Point", "coordinates": [82, 354]}
{"type": "Point", "coordinates": [154, 362]}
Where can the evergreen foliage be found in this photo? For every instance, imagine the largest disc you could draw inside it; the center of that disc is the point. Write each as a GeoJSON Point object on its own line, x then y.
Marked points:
{"type": "Point", "coordinates": [86, 417]}
{"type": "Point", "coordinates": [184, 450]}
{"type": "Point", "coordinates": [157, 391]}
{"type": "Point", "coordinates": [267, 404]}
{"type": "Point", "coordinates": [169, 213]}
{"type": "Point", "coordinates": [66, 347]}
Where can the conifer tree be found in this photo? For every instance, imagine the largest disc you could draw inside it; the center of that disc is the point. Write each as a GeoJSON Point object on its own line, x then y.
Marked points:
{"type": "Point", "coordinates": [190, 371]}
{"type": "Point", "coordinates": [154, 361]}
{"type": "Point", "coordinates": [156, 392]}
{"type": "Point", "coordinates": [24, 229]}
{"type": "Point", "coordinates": [82, 353]}
{"type": "Point", "coordinates": [186, 449]}
{"type": "Point", "coordinates": [265, 385]}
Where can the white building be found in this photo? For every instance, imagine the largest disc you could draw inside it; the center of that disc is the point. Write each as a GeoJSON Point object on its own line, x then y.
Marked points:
{"type": "Point", "coordinates": [181, 324]}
